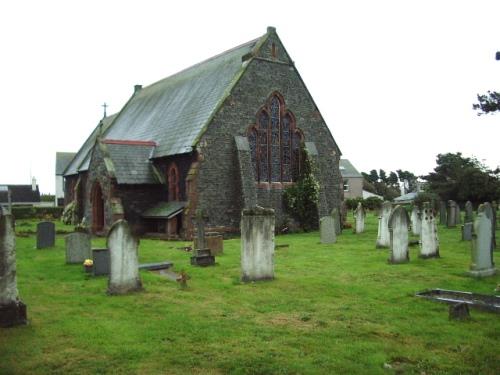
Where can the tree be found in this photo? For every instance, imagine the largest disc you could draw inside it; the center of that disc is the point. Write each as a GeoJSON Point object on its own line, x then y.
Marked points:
{"type": "Point", "coordinates": [410, 177]}
{"type": "Point", "coordinates": [373, 177]}
{"type": "Point", "coordinates": [487, 103]}
{"type": "Point", "coordinates": [462, 178]}
{"type": "Point", "coordinates": [382, 175]}
{"type": "Point", "coordinates": [393, 179]}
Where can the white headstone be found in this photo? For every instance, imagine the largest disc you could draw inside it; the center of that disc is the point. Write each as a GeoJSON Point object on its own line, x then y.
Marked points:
{"type": "Point", "coordinates": [482, 253]}
{"type": "Point", "coordinates": [257, 244]}
{"type": "Point", "coordinates": [327, 230]}
{"type": "Point", "coordinates": [383, 237]}
{"type": "Point", "coordinates": [359, 215]}
{"type": "Point", "coordinates": [124, 263]}
{"type": "Point", "coordinates": [416, 221]}
{"type": "Point", "coordinates": [399, 223]}
{"type": "Point", "coordinates": [429, 242]}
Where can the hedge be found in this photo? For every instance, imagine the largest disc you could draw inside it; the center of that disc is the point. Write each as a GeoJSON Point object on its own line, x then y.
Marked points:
{"type": "Point", "coordinates": [29, 212]}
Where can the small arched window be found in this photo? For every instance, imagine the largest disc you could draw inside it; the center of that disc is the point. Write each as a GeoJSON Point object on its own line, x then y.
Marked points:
{"type": "Point", "coordinates": [275, 143]}
{"type": "Point", "coordinates": [173, 182]}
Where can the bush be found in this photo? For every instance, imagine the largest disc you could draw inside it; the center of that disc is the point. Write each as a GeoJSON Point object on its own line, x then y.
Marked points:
{"type": "Point", "coordinates": [352, 203]}
{"type": "Point", "coordinates": [23, 212]}
{"type": "Point", "coordinates": [372, 203]}
{"type": "Point", "coordinates": [29, 212]}
{"type": "Point", "coordinates": [432, 198]}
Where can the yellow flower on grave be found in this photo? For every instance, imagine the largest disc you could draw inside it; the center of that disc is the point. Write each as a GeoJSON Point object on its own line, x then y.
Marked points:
{"type": "Point", "coordinates": [88, 262]}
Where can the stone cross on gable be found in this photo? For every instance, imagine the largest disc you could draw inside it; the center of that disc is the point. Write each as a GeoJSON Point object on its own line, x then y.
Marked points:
{"type": "Point", "coordinates": [200, 219]}
{"type": "Point", "coordinates": [104, 106]}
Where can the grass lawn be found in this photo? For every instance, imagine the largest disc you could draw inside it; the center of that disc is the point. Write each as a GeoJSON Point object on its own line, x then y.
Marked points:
{"type": "Point", "coordinates": [332, 309]}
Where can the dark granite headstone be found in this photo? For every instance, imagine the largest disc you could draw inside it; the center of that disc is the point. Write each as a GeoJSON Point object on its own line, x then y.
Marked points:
{"type": "Point", "coordinates": [101, 261]}
{"type": "Point", "coordinates": [467, 230]}
{"type": "Point", "coordinates": [78, 247]}
{"type": "Point", "coordinates": [45, 234]}
{"type": "Point", "coordinates": [442, 212]}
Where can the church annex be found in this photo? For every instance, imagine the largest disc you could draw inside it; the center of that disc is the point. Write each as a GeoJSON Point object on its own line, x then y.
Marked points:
{"type": "Point", "coordinates": [221, 135]}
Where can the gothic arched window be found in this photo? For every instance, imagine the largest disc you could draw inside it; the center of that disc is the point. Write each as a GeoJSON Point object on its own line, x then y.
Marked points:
{"type": "Point", "coordinates": [275, 143]}
{"type": "Point", "coordinates": [173, 182]}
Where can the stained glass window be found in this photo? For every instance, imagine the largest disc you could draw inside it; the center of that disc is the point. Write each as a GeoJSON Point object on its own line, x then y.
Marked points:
{"type": "Point", "coordinates": [263, 147]}
{"type": "Point", "coordinates": [252, 141]}
{"type": "Point", "coordinates": [275, 140]}
{"type": "Point", "coordinates": [285, 146]}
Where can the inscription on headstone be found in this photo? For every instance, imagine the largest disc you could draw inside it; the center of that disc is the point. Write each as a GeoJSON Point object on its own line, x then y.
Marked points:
{"type": "Point", "coordinates": [45, 234]}
{"type": "Point", "coordinates": [399, 223]}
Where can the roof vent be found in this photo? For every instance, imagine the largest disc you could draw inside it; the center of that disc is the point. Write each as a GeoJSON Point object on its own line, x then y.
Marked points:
{"type": "Point", "coordinates": [271, 30]}
{"type": "Point", "coordinates": [137, 88]}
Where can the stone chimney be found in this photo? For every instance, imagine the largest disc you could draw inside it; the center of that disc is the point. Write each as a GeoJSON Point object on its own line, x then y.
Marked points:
{"type": "Point", "coordinates": [137, 88]}
{"type": "Point", "coordinates": [33, 184]}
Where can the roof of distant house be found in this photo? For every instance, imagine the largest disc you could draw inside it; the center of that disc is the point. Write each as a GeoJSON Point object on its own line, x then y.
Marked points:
{"type": "Point", "coordinates": [19, 194]}
{"type": "Point", "coordinates": [347, 169]}
{"type": "Point", "coordinates": [409, 197]}
{"type": "Point", "coordinates": [62, 161]}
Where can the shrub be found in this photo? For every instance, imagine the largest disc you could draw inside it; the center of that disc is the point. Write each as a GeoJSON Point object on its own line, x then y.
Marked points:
{"type": "Point", "coordinates": [28, 212]}
{"type": "Point", "coordinates": [352, 203]}
{"type": "Point", "coordinates": [422, 197]}
{"type": "Point", "coordinates": [372, 203]}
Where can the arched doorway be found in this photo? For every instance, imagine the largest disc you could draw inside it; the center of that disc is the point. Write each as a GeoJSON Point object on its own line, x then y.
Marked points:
{"type": "Point", "coordinates": [97, 209]}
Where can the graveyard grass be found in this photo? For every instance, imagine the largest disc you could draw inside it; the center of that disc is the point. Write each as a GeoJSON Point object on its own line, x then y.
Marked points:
{"type": "Point", "coordinates": [332, 309]}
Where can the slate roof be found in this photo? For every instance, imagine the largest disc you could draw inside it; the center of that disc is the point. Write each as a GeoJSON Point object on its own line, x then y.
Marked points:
{"type": "Point", "coordinates": [164, 210]}
{"type": "Point", "coordinates": [347, 169]}
{"type": "Point", "coordinates": [81, 160]}
{"type": "Point", "coordinates": [19, 194]}
{"type": "Point", "coordinates": [409, 197]}
{"type": "Point", "coordinates": [175, 111]}
{"type": "Point", "coordinates": [62, 161]}
{"type": "Point", "coordinates": [130, 163]}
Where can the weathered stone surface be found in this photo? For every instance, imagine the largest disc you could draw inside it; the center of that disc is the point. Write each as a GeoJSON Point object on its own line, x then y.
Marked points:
{"type": "Point", "coordinates": [482, 252]}
{"type": "Point", "coordinates": [494, 208]}
{"type": "Point", "coordinates": [213, 241]}
{"type": "Point", "coordinates": [469, 213]}
{"type": "Point", "coordinates": [257, 244]}
{"type": "Point", "coordinates": [459, 311]}
{"type": "Point", "coordinates": [45, 234]}
{"type": "Point", "coordinates": [327, 230]}
{"type": "Point", "coordinates": [451, 218]}
{"type": "Point", "coordinates": [442, 212]}
{"type": "Point", "coordinates": [383, 236]}
{"type": "Point", "coordinates": [359, 216]}
{"type": "Point", "coordinates": [12, 310]}
{"type": "Point", "coordinates": [202, 255]}
{"type": "Point", "coordinates": [467, 230]}
{"type": "Point", "coordinates": [124, 264]}
{"type": "Point", "coordinates": [336, 221]}
{"type": "Point", "coordinates": [429, 242]}
{"type": "Point", "coordinates": [78, 247]}
{"type": "Point", "coordinates": [416, 221]}
{"type": "Point", "coordinates": [101, 261]}
{"type": "Point", "coordinates": [399, 223]}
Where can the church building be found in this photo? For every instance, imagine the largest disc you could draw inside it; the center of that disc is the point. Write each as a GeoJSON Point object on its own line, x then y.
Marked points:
{"type": "Point", "coordinates": [222, 135]}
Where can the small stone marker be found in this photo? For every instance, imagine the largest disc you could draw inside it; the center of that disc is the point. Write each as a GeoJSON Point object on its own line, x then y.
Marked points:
{"type": "Point", "coordinates": [467, 230]}
{"type": "Point", "coordinates": [416, 221]}
{"type": "Point", "coordinates": [482, 252]}
{"type": "Point", "coordinates": [359, 216]}
{"type": "Point", "coordinates": [100, 257]}
{"type": "Point", "coordinates": [337, 221]}
{"type": "Point", "coordinates": [469, 213]}
{"type": "Point", "coordinates": [398, 228]}
{"type": "Point", "coordinates": [45, 234]}
{"type": "Point", "coordinates": [12, 310]}
{"type": "Point", "coordinates": [124, 264]}
{"type": "Point", "coordinates": [257, 244]}
{"type": "Point", "coordinates": [429, 242]}
{"type": "Point", "coordinates": [442, 212]}
{"type": "Point", "coordinates": [202, 256]}
{"type": "Point", "coordinates": [459, 311]}
{"type": "Point", "coordinates": [213, 241]}
{"type": "Point", "coordinates": [78, 247]}
{"type": "Point", "coordinates": [383, 236]}
{"type": "Point", "coordinates": [327, 230]}
{"type": "Point", "coordinates": [451, 220]}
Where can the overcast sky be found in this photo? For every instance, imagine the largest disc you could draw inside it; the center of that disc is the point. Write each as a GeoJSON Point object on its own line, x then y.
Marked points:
{"type": "Point", "coordinates": [394, 80]}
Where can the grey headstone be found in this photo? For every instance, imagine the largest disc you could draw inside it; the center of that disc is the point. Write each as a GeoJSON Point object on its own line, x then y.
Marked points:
{"type": "Point", "coordinates": [467, 230]}
{"type": "Point", "coordinates": [442, 212]}
{"type": "Point", "coordinates": [383, 236]}
{"type": "Point", "coordinates": [202, 255]}
{"type": "Point", "coordinates": [399, 223]}
{"type": "Point", "coordinates": [124, 263]}
{"type": "Point", "coordinates": [359, 216]}
{"type": "Point", "coordinates": [488, 209]}
{"type": "Point", "coordinates": [469, 212]}
{"type": "Point", "coordinates": [257, 244]}
{"type": "Point", "coordinates": [337, 221]}
{"type": "Point", "coordinates": [416, 221]}
{"type": "Point", "coordinates": [451, 219]}
{"type": "Point", "coordinates": [101, 261]}
{"type": "Point", "coordinates": [45, 234]}
{"type": "Point", "coordinates": [482, 252]}
{"type": "Point", "coordinates": [12, 310]}
{"type": "Point", "coordinates": [78, 247]}
{"type": "Point", "coordinates": [494, 209]}
{"type": "Point", "coordinates": [429, 242]}
{"type": "Point", "coordinates": [327, 230]}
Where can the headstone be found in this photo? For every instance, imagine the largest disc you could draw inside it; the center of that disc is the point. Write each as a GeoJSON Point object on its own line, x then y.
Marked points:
{"type": "Point", "coordinates": [257, 244]}
{"type": "Point", "coordinates": [100, 258]}
{"type": "Point", "coordinates": [451, 220]}
{"type": "Point", "coordinates": [327, 230]}
{"type": "Point", "coordinates": [45, 234]}
{"type": "Point", "coordinates": [343, 214]}
{"type": "Point", "coordinates": [469, 213]}
{"type": "Point", "coordinates": [429, 242]}
{"type": "Point", "coordinates": [399, 223]}
{"type": "Point", "coordinates": [467, 230]}
{"type": "Point", "coordinates": [416, 221]}
{"type": "Point", "coordinates": [490, 213]}
{"type": "Point", "coordinates": [482, 252]}
{"type": "Point", "coordinates": [459, 311]}
{"type": "Point", "coordinates": [202, 256]}
{"type": "Point", "coordinates": [12, 310]}
{"type": "Point", "coordinates": [214, 241]}
{"type": "Point", "coordinates": [458, 216]}
{"type": "Point", "coordinates": [77, 247]}
{"type": "Point", "coordinates": [494, 208]}
{"type": "Point", "coordinates": [442, 212]}
{"type": "Point", "coordinates": [383, 237]}
{"type": "Point", "coordinates": [337, 221]}
{"type": "Point", "coordinates": [359, 216]}
{"type": "Point", "coordinates": [124, 264]}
